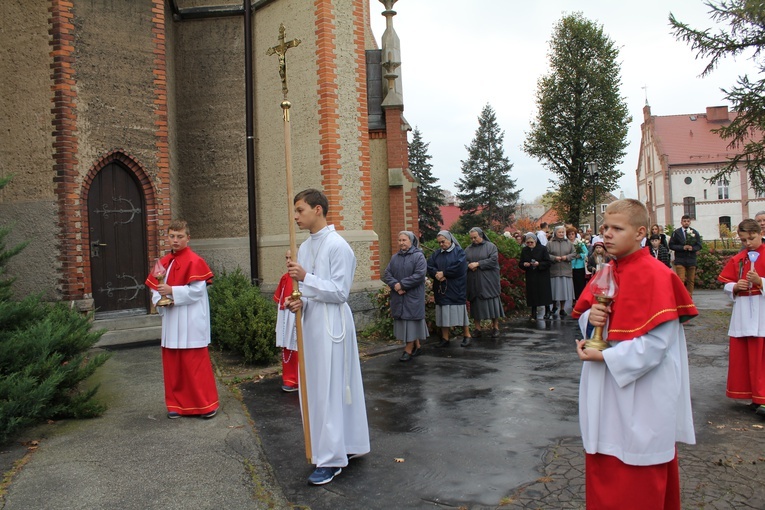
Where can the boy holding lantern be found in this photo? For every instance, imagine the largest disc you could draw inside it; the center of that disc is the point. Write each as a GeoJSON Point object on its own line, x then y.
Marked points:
{"type": "Point", "coordinates": [634, 397]}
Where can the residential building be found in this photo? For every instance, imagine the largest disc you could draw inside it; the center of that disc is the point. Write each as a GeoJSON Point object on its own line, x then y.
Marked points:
{"type": "Point", "coordinates": [678, 155]}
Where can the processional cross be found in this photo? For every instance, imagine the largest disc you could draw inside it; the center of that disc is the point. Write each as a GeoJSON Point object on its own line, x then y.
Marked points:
{"type": "Point", "coordinates": [281, 50]}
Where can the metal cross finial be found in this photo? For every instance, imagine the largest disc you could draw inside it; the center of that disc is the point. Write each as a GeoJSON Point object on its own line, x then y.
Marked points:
{"type": "Point", "coordinates": [281, 50]}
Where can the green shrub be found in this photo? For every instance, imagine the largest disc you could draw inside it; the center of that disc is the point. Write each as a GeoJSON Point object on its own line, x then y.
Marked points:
{"type": "Point", "coordinates": [242, 320]}
{"type": "Point", "coordinates": [43, 359]}
{"type": "Point", "coordinates": [709, 263]}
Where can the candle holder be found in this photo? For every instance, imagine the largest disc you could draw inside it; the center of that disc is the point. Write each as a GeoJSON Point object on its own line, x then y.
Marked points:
{"type": "Point", "coordinates": [159, 273]}
{"type": "Point", "coordinates": [604, 288]}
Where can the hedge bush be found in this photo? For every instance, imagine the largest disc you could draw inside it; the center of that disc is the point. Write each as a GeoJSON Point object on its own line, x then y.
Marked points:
{"type": "Point", "coordinates": [242, 320]}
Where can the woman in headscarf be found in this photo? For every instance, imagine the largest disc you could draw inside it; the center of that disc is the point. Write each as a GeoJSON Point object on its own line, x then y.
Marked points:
{"type": "Point", "coordinates": [483, 287]}
{"type": "Point", "coordinates": [405, 275]}
{"type": "Point", "coordinates": [562, 252]}
{"type": "Point", "coordinates": [448, 268]}
{"type": "Point", "coordinates": [535, 262]}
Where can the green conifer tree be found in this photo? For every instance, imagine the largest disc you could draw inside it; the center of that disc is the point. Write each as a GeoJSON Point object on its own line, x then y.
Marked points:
{"type": "Point", "coordinates": [429, 195]}
{"type": "Point", "coordinates": [745, 36]}
{"type": "Point", "coordinates": [486, 192]}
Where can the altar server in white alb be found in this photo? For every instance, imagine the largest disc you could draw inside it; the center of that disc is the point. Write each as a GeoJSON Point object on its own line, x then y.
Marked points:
{"type": "Point", "coordinates": [337, 412]}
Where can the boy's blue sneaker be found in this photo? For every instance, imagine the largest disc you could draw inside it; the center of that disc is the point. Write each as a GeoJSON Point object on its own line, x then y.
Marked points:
{"type": "Point", "coordinates": [173, 415]}
{"type": "Point", "coordinates": [324, 475]}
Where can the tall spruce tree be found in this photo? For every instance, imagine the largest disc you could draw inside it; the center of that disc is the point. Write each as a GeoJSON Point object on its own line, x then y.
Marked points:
{"type": "Point", "coordinates": [429, 195]}
{"type": "Point", "coordinates": [746, 35]}
{"type": "Point", "coordinates": [581, 118]}
{"type": "Point", "coordinates": [486, 193]}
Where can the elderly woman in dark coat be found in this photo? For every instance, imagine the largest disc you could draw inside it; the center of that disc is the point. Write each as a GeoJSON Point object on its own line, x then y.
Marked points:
{"type": "Point", "coordinates": [535, 261]}
{"type": "Point", "coordinates": [448, 268]}
{"type": "Point", "coordinates": [483, 287]}
{"type": "Point", "coordinates": [405, 275]}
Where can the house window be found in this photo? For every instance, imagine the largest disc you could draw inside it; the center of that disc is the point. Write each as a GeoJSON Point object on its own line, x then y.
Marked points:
{"type": "Point", "coordinates": [724, 220]}
{"type": "Point", "coordinates": [722, 189]}
{"type": "Point", "coordinates": [603, 208]}
{"type": "Point", "coordinates": [689, 207]}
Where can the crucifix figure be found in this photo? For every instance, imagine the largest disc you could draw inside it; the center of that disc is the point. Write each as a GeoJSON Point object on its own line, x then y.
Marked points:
{"type": "Point", "coordinates": [281, 50]}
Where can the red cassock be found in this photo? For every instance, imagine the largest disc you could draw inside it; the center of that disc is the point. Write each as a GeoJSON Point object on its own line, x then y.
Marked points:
{"type": "Point", "coordinates": [190, 386]}
{"type": "Point", "coordinates": [746, 358]}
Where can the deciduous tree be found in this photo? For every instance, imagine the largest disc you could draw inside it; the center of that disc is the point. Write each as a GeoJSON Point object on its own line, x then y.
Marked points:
{"type": "Point", "coordinates": [581, 118]}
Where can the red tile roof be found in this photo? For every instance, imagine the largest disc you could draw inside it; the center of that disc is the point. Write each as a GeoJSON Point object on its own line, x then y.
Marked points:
{"type": "Point", "coordinates": [450, 214]}
{"type": "Point", "coordinates": [688, 139]}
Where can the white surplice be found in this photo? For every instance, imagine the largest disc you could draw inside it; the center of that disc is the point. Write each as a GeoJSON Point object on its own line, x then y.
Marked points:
{"type": "Point", "coordinates": [637, 404]}
{"type": "Point", "coordinates": [185, 323]}
{"type": "Point", "coordinates": [336, 407]}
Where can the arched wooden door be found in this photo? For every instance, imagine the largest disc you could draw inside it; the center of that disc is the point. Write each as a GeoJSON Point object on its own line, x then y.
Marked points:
{"type": "Point", "coordinates": [117, 216]}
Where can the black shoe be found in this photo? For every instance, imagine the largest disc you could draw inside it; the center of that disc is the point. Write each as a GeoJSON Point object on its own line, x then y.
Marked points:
{"type": "Point", "coordinates": [533, 318]}
{"type": "Point", "coordinates": [760, 410]}
{"type": "Point", "coordinates": [209, 415]}
{"type": "Point", "coordinates": [548, 316]}
{"type": "Point", "coordinates": [405, 357]}
{"type": "Point", "coordinates": [555, 309]}
{"type": "Point", "coordinates": [563, 313]}
{"type": "Point", "coordinates": [495, 333]}
{"type": "Point", "coordinates": [476, 333]}
{"type": "Point", "coordinates": [443, 343]}
{"type": "Point", "coordinates": [417, 351]}
{"type": "Point", "coordinates": [466, 341]}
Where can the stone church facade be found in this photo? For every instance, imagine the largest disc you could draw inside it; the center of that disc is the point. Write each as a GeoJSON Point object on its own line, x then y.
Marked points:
{"type": "Point", "coordinates": [119, 116]}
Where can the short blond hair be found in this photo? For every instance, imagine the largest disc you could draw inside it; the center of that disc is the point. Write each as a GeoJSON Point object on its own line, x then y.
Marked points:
{"type": "Point", "coordinates": [634, 210]}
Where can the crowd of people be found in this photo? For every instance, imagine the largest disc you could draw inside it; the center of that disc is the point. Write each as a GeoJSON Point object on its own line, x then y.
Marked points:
{"type": "Point", "coordinates": [466, 286]}
{"type": "Point", "coordinates": [559, 261]}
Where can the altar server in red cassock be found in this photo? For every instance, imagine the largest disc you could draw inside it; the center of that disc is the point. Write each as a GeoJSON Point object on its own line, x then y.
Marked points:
{"type": "Point", "coordinates": [743, 284]}
{"type": "Point", "coordinates": [634, 397]}
{"type": "Point", "coordinates": [286, 335]}
{"type": "Point", "coordinates": [190, 388]}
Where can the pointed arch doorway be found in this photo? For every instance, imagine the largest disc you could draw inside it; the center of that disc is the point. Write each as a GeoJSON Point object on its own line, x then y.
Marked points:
{"type": "Point", "coordinates": [117, 230]}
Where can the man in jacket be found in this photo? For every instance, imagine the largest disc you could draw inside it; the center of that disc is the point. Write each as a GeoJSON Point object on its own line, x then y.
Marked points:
{"type": "Point", "coordinates": [686, 242]}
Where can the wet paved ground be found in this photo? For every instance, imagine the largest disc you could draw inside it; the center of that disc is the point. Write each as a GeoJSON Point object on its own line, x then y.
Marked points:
{"type": "Point", "coordinates": [495, 424]}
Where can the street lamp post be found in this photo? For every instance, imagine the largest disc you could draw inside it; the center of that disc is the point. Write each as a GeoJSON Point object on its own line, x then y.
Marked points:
{"type": "Point", "coordinates": [592, 169]}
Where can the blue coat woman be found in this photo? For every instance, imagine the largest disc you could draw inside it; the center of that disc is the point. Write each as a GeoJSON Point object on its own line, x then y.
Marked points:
{"type": "Point", "coordinates": [405, 275]}
{"type": "Point", "coordinates": [448, 268]}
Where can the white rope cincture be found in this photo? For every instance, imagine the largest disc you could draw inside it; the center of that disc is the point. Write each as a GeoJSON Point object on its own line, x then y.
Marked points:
{"type": "Point", "coordinates": [336, 339]}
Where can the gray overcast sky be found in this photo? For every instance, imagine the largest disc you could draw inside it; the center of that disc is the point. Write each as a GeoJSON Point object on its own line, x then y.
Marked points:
{"type": "Point", "coordinates": [459, 55]}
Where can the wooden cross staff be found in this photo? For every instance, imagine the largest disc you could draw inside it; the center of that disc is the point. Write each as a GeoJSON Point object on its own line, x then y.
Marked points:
{"type": "Point", "coordinates": [281, 50]}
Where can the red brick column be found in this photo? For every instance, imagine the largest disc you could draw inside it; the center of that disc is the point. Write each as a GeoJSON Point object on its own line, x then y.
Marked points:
{"type": "Point", "coordinates": [329, 118]}
{"type": "Point", "coordinates": [159, 216]}
{"type": "Point", "coordinates": [64, 134]}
